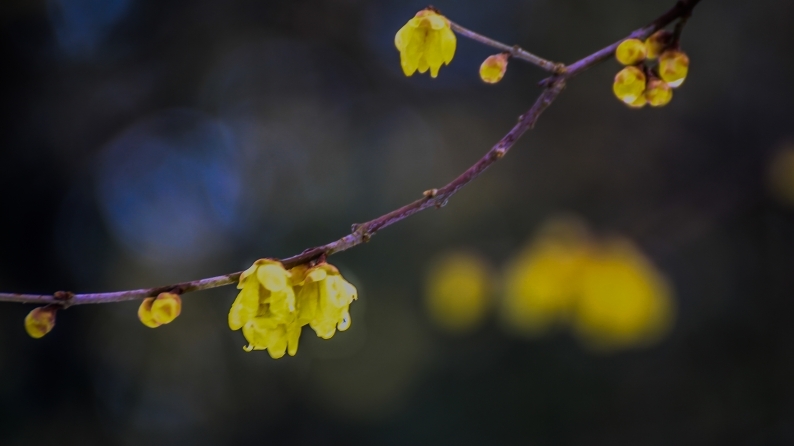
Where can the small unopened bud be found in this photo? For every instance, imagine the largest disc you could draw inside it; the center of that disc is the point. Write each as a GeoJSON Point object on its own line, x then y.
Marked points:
{"type": "Point", "coordinates": [40, 321]}
{"type": "Point", "coordinates": [673, 67]}
{"type": "Point", "coordinates": [639, 102]}
{"type": "Point", "coordinates": [145, 313]}
{"type": "Point", "coordinates": [630, 52]}
{"type": "Point", "coordinates": [493, 68]}
{"type": "Point", "coordinates": [166, 307]}
{"type": "Point", "coordinates": [629, 84]}
{"type": "Point", "coordinates": [658, 93]}
{"type": "Point", "coordinates": [155, 312]}
{"type": "Point", "coordinates": [657, 43]}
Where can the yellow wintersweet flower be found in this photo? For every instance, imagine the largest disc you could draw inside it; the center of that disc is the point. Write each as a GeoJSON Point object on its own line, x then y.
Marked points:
{"type": "Point", "coordinates": [457, 292]}
{"type": "Point", "coordinates": [40, 321]}
{"type": "Point", "coordinates": [274, 304]}
{"type": "Point", "coordinates": [623, 299]}
{"type": "Point", "coordinates": [324, 299]}
{"type": "Point", "coordinates": [541, 285]}
{"type": "Point", "coordinates": [426, 41]}
{"type": "Point", "coordinates": [265, 309]}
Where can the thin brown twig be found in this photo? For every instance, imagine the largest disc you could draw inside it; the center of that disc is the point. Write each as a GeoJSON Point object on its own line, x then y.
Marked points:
{"type": "Point", "coordinates": [361, 233]}
{"type": "Point", "coordinates": [514, 51]}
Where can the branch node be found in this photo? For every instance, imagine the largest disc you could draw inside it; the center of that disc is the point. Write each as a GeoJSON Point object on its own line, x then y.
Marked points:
{"type": "Point", "coordinates": [64, 298]}
{"type": "Point", "coordinates": [430, 193]}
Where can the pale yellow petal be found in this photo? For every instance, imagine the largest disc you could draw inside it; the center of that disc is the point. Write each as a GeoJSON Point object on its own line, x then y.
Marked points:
{"type": "Point", "coordinates": [448, 45]}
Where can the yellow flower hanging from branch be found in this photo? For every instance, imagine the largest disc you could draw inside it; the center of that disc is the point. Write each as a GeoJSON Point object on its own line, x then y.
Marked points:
{"type": "Point", "coordinates": [425, 42]}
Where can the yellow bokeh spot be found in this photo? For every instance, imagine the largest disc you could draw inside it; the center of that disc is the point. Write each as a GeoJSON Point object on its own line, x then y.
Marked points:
{"type": "Point", "coordinates": [781, 175]}
{"type": "Point", "coordinates": [541, 283]}
{"type": "Point", "coordinates": [623, 299]}
{"type": "Point", "coordinates": [425, 42]}
{"type": "Point", "coordinates": [457, 292]}
{"type": "Point", "coordinates": [630, 52]}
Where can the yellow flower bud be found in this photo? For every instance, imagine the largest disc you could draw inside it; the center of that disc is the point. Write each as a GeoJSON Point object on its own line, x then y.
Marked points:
{"type": "Point", "coordinates": [640, 102]}
{"type": "Point", "coordinates": [493, 68]}
{"type": "Point", "coordinates": [629, 84]}
{"type": "Point", "coordinates": [166, 307]}
{"type": "Point", "coordinates": [658, 93]}
{"type": "Point", "coordinates": [657, 42]}
{"type": "Point", "coordinates": [673, 67]}
{"type": "Point", "coordinates": [40, 321]}
{"type": "Point", "coordinates": [145, 313]}
{"type": "Point", "coordinates": [630, 52]}
{"type": "Point", "coordinates": [425, 42]}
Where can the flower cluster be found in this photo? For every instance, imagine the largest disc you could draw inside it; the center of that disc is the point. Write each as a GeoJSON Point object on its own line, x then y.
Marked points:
{"type": "Point", "coordinates": [274, 304]}
{"type": "Point", "coordinates": [640, 82]}
{"type": "Point", "coordinates": [425, 42]}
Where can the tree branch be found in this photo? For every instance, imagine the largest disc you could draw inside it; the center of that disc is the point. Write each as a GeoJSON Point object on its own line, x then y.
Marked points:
{"type": "Point", "coordinates": [437, 198]}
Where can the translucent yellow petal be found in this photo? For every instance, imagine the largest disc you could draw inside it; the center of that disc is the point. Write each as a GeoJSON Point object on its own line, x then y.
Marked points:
{"type": "Point", "coordinates": [408, 65]}
{"type": "Point", "coordinates": [432, 51]}
{"type": "Point", "coordinates": [293, 336]}
{"type": "Point", "coordinates": [307, 303]}
{"type": "Point", "coordinates": [144, 314]}
{"type": "Point", "coordinates": [273, 277]}
{"type": "Point", "coordinates": [166, 308]}
{"type": "Point", "coordinates": [448, 45]}
{"type": "Point", "coordinates": [423, 66]}
{"type": "Point", "coordinates": [437, 22]}
{"type": "Point", "coordinates": [344, 324]}
{"type": "Point", "coordinates": [246, 304]}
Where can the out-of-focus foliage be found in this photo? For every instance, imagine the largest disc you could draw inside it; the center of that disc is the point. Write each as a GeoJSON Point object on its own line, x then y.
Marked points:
{"type": "Point", "coordinates": [458, 291]}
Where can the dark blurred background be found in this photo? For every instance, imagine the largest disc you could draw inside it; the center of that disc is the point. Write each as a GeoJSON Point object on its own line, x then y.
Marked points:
{"type": "Point", "coordinates": [148, 142]}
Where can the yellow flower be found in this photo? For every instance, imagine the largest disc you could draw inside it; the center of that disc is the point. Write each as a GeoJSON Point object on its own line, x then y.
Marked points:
{"type": "Point", "coordinates": [493, 68]}
{"type": "Point", "coordinates": [541, 285]}
{"type": "Point", "coordinates": [274, 304]}
{"type": "Point", "coordinates": [658, 93]}
{"type": "Point", "coordinates": [162, 310]}
{"type": "Point", "coordinates": [324, 299]}
{"type": "Point", "coordinates": [40, 321]}
{"type": "Point", "coordinates": [623, 299]}
{"type": "Point", "coordinates": [629, 84]}
{"type": "Point", "coordinates": [673, 67]}
{"type": "Point", "coordinates": [630, 52]}
{"type": "Point", "coordinates": [457, 292]}
{"type": "Point", "coordinates": [426, 41]}
{"type": "Point", "coordinates": [657, 42]}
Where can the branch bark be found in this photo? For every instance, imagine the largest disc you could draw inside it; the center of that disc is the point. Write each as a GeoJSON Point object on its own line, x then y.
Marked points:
{"type": "Point", "coordinates": [552, 87]}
